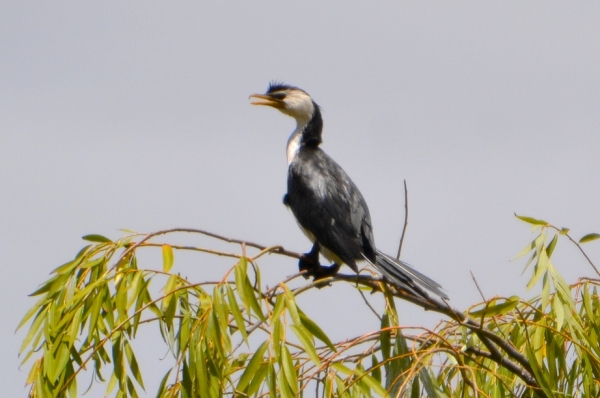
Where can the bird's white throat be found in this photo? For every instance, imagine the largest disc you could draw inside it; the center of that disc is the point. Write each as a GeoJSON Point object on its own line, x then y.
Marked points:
{"type": "Point", "coordinates": [293, 144]}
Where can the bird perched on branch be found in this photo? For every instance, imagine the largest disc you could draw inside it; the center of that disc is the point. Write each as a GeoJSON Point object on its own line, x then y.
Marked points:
{"type": "Point", "coordinates": [327, 205]}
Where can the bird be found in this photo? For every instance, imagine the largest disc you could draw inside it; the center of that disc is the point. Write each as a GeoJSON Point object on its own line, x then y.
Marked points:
{"type": "Point", "coordinates": [327, 204]}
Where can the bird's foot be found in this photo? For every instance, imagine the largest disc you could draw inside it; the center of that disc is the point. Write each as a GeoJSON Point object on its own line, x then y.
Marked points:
{"type": "Point", "coordinates": [309, 265]}
{"type": "Point", "coordinates": [309, 262]}
{"type": "Point", "coordinates": [323, 271]}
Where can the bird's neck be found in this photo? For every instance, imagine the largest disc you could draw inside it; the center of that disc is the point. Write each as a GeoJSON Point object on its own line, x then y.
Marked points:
{"type": "Point", "coordinates": [307, 133]}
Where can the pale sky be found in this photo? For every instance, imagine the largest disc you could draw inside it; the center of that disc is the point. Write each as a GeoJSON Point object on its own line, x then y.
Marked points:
{"type": "Point", "coordinates": [136, 116]}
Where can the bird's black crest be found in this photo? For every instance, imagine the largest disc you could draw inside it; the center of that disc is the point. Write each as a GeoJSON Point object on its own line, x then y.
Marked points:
{"type": "Point", "coordinates": [275, 86]}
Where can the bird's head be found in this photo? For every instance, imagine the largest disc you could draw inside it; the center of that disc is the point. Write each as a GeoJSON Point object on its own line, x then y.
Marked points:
{"type": "Point", "coordinates": [290, 100]}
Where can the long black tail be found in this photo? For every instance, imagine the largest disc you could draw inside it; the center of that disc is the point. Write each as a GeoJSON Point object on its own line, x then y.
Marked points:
{"type": "Point", "coordinates": [406, 277]}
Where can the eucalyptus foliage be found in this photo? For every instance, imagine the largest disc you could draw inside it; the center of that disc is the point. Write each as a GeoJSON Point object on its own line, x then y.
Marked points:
{"type": "Point", "coordinates": [235, 337]}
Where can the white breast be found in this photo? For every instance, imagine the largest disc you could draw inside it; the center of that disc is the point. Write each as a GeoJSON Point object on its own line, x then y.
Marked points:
{"type": "Point", "coordinates": [293, 144]}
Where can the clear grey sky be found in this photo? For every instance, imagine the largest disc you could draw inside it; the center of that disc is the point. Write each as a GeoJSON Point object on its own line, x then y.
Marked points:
{"type": "Point", "coordinates": [136, 115]}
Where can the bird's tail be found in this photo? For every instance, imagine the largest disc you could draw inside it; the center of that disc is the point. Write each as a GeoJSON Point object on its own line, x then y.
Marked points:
{"type": "Point", "coordinates": [406, 277]}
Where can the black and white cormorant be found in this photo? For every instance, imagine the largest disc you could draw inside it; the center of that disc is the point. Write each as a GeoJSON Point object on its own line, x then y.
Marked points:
{"type": "Point", "coordinates": [327, 205]}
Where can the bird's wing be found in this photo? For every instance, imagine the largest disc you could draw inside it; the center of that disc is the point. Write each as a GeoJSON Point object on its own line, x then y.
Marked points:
{"type": "Point", "coordinates": [327, 203]}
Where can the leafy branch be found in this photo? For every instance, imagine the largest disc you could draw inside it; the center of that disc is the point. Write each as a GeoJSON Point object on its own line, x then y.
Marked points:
{"type": "Point", "coordinates": [235, 337]}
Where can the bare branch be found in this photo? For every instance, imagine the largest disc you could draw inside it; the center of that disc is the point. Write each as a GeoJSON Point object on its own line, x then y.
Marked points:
{"type": "Point", "coordinates": [405, 220]}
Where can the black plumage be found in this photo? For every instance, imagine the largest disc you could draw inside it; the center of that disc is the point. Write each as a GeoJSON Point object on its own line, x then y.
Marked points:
{"type": "Point", "coordinates": [327, 205]}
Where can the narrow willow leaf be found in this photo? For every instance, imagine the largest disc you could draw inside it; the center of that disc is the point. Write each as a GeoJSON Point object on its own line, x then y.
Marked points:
{"type": "Point", "coordinates": [171, 310]}
{"type": "Point", "coordinates": [66, 267]}
{"type": "Point", "coordinates": [284, 388]}
{"type": "Point", "coordinates": [307, 343]}
{"type": "Point", "coordinates": [169, 287]}
{"type": "Point", "coordinates": [237, 314]}
{"type": "Point", "coordinates": [372, 383]}
{"type": "Point", "coordinates": [167, 253]}
{"type": "Point", "coordinates": [359, 382]}
{"type": "Point", "coordinates": [254, 304]}
{"type": "Point", "coordinates": [316, 331]}
{"type": "Point", "coordinates": [342, 368]}
{"type": "Point", "coordinates": [93, 263]}
{"type": "Point", "coordinates": [34, 371]}
{"type": "Point", "coordinates": [289, 371]}
{"type": "Point", "coordinates": [587, 301]}
{"type": "Point", "coordinates": [253, 366]}
{"type": "Point", "coordinates": [134, 368]}
{"type": "Point", "coordinates": [375, 368]}
{"type": "Point", "coordinates": [201, 372]}
{"type": "Point", "coordinates": [163, 385]}
{"type": "Point", "coordinates": [341, 388]}
{"type": "Point", "coordinates": [540, 269]}
{"type": "Point", "coordinates": [96, 238]}
{"type": "Point", "coordinates": [328, 389]}
{"type": "Point", "coordinates": [33, 330]}
{"type": "Point", "coordinates": [429, 384]}
{"type": "Point", "coordinates": [559, 314]}
{"type": "Point", "coordinates": [272, 379]}
{"type": "Point", "coordinates": [277, 336]}
{"type": "Point", "coordinates": [112, 383]}
{"type": "Point", "coordinates": [290, 302]}
{"type": "Point", "coordinates": [537, 342]}
{"type": "Point", "coordinates": [526, 250]}
{"type": "Point", "coordinates": [532, 220]}
{"type": "Point", "coordinates": [35, 308]}
{"type": "Point", "coordinates": [551, 246]}
{"type": "Point", "coordinates": [258, 379]}
{"type": "Point", "coordinates": [279, 307]}
{"type": "Point", "coordinates": [540, 374]}
{"type": "Point", "coordinates": [241, 285]}
{"type": "Point", "coordinates": [545, 292]}
{"type": "Point", "coordinates": [221, 309]}
{"type": "Point", "coordinates": [385, 337]}
{"type": "Point", "coordinates": [589, 237]}
{"type": "Point", "coordinates": [497, 309]}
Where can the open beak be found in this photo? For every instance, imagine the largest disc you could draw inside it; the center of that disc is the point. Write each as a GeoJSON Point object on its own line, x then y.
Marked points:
{"type": "Point", "coordinates": [264, 99]}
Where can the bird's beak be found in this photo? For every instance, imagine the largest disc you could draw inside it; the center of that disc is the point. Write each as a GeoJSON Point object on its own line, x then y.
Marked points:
{"type": "Point", "coordinates": [267, 101]}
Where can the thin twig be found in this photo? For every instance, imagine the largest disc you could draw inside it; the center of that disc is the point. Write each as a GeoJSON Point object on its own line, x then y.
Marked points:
{"type": "Point", "coordinates": [477, 285]}
{"type": "Point", "coordinates": [405, 220]}
{"type": "Point", "coordinates": [585, 255]}
{"type": "Point", "coordinates": [369, 305]}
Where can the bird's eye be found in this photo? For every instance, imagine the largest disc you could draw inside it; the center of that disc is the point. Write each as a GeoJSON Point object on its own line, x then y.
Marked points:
{"type": "Point", "coordinates": [278, 96]}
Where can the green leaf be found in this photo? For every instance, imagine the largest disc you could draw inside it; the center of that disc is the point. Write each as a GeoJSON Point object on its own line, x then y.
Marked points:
{"type": "Point", "coordinates": [240, 283]}
{"type": "Point", "coordinates": [167, 253]}
{"type": "Point", "coordinates": [559, 313]}
{"type": "Point", "coordinates": [284, 387]}
{"type": "Point", "coordinates": [252, 367]}
{"type": "Point", "coordinates": [93, 263]}
{"type": "Point", "coordinates": [494, 309]}
{"type": "Point", "coordinates": [342, 368]}
{"type": "Point", "coordinates": [307, 343]}
{"type": "Point", "coordinates": [531, 220]}
{"type": "Point", "coordinates": [372, 383]}
{"type": "Point", "coordinates": [316, 331]}
{"type": "Point", "coordinates": [66, 267]}
{"type": "Point", "coordinates": [290, 302]}
{"type": "Point", "coordinates": [551, 246]}
{"type": "Point", "coordinates": [279, 307]}
{"type": "Point", "coordinates": [96, 238]}
{"type": "Point", "coordinates": [34, 328]}
{"type": "Point", "coordinates": [540, 269]}
{"type": "Point", "coordinates": [258, 378]}
{"type": "Point", "coordinates": [254, 304]}
{"type": "Point", "coordinates": [289, 371]}
{"type": "Point", "coordinates": [589, 237]}
{"type": "Point", "coordinates": [375, 368]}
{"type": "Point", "coordinates": [237, 314]}
{"type": "Point", "coordinates": [133, 364]}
